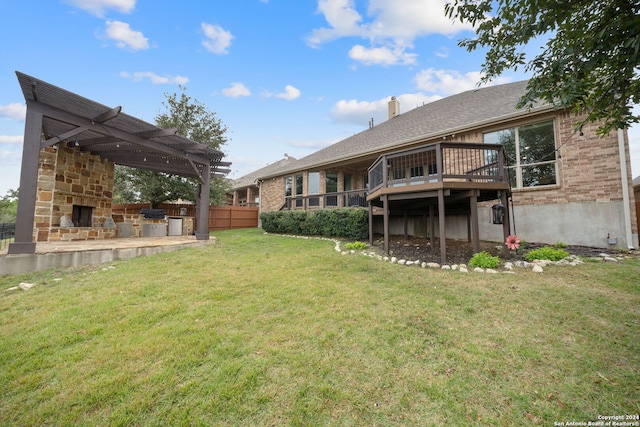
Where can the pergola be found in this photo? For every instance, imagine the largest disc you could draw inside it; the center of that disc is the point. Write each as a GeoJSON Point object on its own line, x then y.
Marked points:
{"type": "Point", "coordinates": [55, 115]}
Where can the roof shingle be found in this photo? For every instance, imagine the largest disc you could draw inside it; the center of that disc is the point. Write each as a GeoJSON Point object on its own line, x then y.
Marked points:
{"type": "Point", "coordinates": [446, 116]}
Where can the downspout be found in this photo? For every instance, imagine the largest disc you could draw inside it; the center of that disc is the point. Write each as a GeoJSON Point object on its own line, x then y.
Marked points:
{"type": "Point", "coordinates": [625, 190]}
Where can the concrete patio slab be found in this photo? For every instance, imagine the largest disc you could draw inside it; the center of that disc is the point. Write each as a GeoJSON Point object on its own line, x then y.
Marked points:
{"type": "Point", "coordinates": [69, 254]}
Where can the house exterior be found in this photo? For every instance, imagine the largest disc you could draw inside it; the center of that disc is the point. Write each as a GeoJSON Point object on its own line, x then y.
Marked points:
{"type": "Point", "coordinates": [246, 191]}
{"type": "Point", "coordinates": [562, 185]}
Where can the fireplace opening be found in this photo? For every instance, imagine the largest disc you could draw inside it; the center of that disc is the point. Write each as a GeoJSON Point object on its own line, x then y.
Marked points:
{"type": "Point", "coordinates": [81, 216]}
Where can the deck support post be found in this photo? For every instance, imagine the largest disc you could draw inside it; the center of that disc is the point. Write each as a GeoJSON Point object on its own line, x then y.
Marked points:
{"type": "Point", "coordinates": [406, 224]}
{"type": "Point", "coordinates": [432, 227]}
{"type": "Point", "coordinates": [441, 224]}
{"type": "Point", "coordinates": [475, 229]}
{"type": "Point", "coordinates": [370, 223]}
{"type": "Point", "coordinates": [385, 216]}
{"type": "Point", "coordinates": [425, 225]}
{"type": "Point", "coordinates": [506, 224]}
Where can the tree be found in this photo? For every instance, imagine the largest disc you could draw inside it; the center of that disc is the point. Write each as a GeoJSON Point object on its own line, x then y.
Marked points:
{"type": "Point", "coordinates": [9, 207]}
{"type": "Point", "coordinates": [193, 121]}
{"type": "Point", "coordinates": [590, 61]}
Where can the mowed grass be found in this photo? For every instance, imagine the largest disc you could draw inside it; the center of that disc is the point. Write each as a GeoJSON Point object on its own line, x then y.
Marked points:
{"type": "Point", "coordinates": [268, 330]}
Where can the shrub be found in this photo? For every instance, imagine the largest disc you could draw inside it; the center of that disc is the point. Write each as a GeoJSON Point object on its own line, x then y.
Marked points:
{"type": "Point", "coordinates": [356, 246]}
{"type": "Point", "coordinates": [484, 260]}
{"type": "Point", "coordinates": [548, 253]}
{"type": "Point", "coordinates": [350, 223]}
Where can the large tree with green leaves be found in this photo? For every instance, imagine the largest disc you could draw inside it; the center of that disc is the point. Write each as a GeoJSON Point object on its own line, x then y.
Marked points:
{"type": "Point", "coordinates": [193, 121]}
{"type": "Point", "coordinates": [9, 206]}
{"type": "Point", "coordinates": [590, 62]}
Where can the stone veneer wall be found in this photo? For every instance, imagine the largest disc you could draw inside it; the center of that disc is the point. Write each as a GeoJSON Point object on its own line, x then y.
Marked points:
{"type": "Point", "coordinates": [67, 177]}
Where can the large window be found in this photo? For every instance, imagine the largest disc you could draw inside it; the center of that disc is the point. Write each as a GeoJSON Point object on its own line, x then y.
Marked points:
{"type": "Point", "coordinates": [314, 183]}
{"type": "Point", "coordinates": [331, 182]}
{"type": "Point", "coordinates": [531, 153]}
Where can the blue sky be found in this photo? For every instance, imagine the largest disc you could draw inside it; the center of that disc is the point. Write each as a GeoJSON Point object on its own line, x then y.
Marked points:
{"type": "Point", "coordinates": [285, 76]}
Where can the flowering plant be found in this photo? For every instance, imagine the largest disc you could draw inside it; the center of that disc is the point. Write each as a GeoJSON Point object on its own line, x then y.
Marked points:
{"type": "Point", "coordinates": [513, 242]}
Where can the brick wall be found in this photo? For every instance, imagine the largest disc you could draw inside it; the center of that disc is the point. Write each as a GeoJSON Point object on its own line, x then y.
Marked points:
{"type": "Point", "coordinates": [588, 167]}
{"type": "Point", "coordinates": [272, 194]}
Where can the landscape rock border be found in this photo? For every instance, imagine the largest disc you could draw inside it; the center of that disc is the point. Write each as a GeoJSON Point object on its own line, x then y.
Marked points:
{"type": "Point", "coordinates": [536, 266]}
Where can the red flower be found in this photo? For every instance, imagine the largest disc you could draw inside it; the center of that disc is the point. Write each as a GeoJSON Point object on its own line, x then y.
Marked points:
{"type": "Point", "coordinates": [513, 242]}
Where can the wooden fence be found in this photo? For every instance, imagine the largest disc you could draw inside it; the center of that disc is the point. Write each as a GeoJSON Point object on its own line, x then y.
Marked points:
{"type": "Point", "coordinates": [220, 218]}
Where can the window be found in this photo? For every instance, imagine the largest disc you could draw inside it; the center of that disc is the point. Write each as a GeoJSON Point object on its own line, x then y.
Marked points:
{"type": "Point", "coordinates": [314, 183]}
{"type": "Point", "coordinates": [287, 186]}
{"type": "Point", "coordinates": [331, 182]}
{"type": "Point", "coordinates": [348, 182]}
{"type": "Point", "coordinates": [531, 153]}
{"type": "Point", "coordinates": [298, 185]}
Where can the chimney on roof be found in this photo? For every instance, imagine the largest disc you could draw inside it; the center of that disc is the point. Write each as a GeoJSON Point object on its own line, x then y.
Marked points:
{"type": "Point", "coordinates": [394, 108]}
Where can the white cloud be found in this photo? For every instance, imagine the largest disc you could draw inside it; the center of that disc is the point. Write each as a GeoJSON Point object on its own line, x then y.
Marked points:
{"type": "Point", "coordinates": [409, 19]}
{"type": "Point", "coordinates": [125, 37]}
{"type": "Point", "coordinates": [154, 78]}
{"type": "Point", "coordinates": [10, 159]}
{"type": "Point", "coordinates": [360, 113]}
{"type": "Point", "coordinates": [236, 90]}
{"type": "Point", "coordinates": [98, 7]}
{"type": "Point", "coordinates": [390, 24]}
{"type": "Point", "coordinates": [343, 20]}
{"type": "Point", "coordinates": [217, 39]}
{"type": "Point", "coordinates": [15, 111]}
{"type": "Point", "coordinates": [381, 56]}
{"type": "Point", "coordinates": [449, 82]}
{"type": "Point", "coordinates": [11, 139]}
{"type": "Point", "coordinates": [443, 53]}
{"type": "Point", "coordinates": [290, 93]}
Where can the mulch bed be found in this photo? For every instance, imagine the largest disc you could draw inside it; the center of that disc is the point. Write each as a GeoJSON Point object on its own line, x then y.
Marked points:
{"type": "Point", "coordinates": [460, 251]}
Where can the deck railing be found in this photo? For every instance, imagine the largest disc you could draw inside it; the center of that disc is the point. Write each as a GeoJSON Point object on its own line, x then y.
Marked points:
{"type": "Point", "coordinates": [440, 162]}
{"type": "Point", "coordinates": [340, 199]}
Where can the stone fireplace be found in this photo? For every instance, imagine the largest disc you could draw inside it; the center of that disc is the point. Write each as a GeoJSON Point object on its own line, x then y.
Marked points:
{"type": "Point", "coordinates": [75, 191]}
{"type": "Point", "coordinates": [81, 216]}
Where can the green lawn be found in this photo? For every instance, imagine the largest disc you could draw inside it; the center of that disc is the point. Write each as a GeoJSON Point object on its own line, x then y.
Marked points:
{"type": "Point", "coordinates": [268, 330]}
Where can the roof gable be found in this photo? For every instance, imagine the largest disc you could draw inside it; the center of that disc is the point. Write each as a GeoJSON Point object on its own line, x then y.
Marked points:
{"type": "Point", "coordinates": [251, 178]}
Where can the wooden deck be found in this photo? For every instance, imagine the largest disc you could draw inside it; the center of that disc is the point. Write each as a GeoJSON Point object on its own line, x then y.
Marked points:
{"type": "Point", "coordinates": [435, 180]}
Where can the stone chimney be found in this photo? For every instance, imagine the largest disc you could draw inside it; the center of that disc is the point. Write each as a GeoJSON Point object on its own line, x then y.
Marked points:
{"type": "Point", "coordinates": [394, 108]}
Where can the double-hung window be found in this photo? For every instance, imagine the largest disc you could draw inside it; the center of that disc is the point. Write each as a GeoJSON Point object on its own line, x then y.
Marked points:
{"type": "Point", "coordinates": [531, 153]}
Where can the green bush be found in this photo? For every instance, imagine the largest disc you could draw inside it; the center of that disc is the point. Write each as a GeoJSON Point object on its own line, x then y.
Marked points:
{"type": "Point", "coordinates": [484, 260]}
{"type": "Point", "coordinates": [349, 223]}
{"type": "Point", "coordinates": [356, 246]}
{"type": "Point", "coordinates": [548, 253]}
